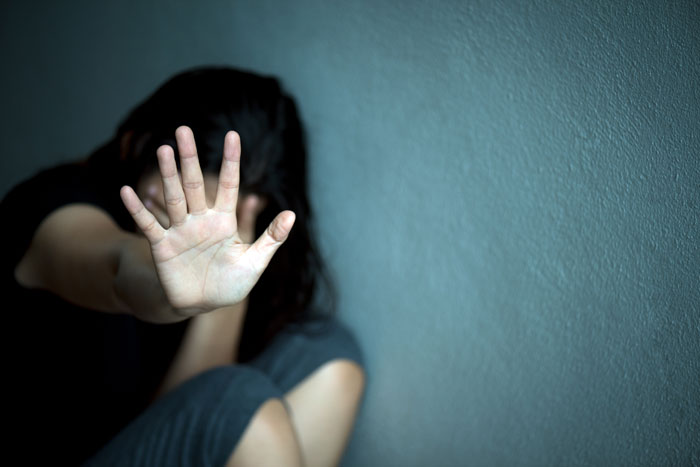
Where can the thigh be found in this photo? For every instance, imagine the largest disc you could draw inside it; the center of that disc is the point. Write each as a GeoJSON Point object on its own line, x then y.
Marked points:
{"type": "Point", "coordinates": [301, 348]}
{"type": "Point", "coordinates": [199, 423]}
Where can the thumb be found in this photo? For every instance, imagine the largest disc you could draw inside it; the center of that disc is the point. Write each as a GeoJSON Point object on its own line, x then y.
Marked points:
{"type": "Point", "coordinates": [273, 237]}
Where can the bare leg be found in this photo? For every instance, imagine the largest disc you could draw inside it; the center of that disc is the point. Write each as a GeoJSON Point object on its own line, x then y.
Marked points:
{"type": "Point", "coordinates": [269, 439]}
{"type": "Point", "coordinates": [323, 408]}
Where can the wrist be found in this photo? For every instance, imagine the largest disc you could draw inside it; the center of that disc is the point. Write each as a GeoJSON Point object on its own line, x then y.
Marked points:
{"type": "Point", "coordinates": [137, 287]}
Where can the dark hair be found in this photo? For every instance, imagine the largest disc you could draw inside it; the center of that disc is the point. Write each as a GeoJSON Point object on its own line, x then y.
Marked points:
{"type": "Point", "coordinates": [212, 101]}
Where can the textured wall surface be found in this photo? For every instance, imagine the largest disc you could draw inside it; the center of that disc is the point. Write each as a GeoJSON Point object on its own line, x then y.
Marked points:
{"type": "Point", "coordinates": [508, 195]}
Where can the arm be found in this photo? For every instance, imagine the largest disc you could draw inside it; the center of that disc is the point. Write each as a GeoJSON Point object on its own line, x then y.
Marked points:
{"type": "Point", "coordinates": [75, 253]}
{"type": "Point", "coordinates": [199, 264]}
{"type": "Point", "coordinates": [211, 340]}
{"type": "Point", "coordinates": [79, 253]}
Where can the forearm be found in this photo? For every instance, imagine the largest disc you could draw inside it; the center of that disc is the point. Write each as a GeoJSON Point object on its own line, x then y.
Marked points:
{"type": "Point", "coordinates": [221, 332]}
{"type": "Point", "coordinates": [137, 287]}
{"type": "Point", "coordinates": [211, 340]}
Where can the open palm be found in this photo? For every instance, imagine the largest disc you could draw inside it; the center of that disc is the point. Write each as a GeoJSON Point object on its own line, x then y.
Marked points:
{"type": "Point", "coordinates": [201, 260]}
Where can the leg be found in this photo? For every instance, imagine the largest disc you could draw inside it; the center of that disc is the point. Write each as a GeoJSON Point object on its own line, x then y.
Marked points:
{"type": "Point", "coordinates": [318, 366]}
{"type": "Point", "coordinates": [323, 408]}
{"type": "Point", "coordinates": [269, 439]}
{"type": "Point", "coordinates": [202, 421]}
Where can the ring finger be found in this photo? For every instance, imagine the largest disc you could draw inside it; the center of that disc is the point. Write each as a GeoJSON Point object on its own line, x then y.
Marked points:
{"type": "Point", "coordinates": [175, 203]}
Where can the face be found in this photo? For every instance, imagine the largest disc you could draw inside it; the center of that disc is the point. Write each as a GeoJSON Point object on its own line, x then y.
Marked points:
{"type": "Point", "coordinates": [150, 190]}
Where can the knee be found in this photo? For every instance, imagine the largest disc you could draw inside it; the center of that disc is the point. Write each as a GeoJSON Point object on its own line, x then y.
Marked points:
{"type": "Point", "coordinates": [271, 424]}
{"type": "Point", "coordinates": [252, 424]}
{"type": "Point", "coordinates": [344, 378]}
{"type": "Point", "coordinates": [269, 439]}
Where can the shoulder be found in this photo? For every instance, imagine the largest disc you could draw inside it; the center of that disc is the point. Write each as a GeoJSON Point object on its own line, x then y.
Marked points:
{"type": "Point", "coordinates": [31, 202]}
{"type": "Point", "coordinates": [65, 184]}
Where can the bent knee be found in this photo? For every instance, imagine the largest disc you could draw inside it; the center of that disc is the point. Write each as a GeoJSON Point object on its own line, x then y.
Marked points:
{"type": "Point", "coordinates": [271, 422]}
{"type": "Point", "coordinates": [343, 377]}
{"type": "Point", "coordinates": [269, 439]}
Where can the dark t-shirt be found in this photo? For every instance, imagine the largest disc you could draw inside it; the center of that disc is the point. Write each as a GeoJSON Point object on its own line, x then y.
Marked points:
{"type": "Point", "coordinates": [75, 376]}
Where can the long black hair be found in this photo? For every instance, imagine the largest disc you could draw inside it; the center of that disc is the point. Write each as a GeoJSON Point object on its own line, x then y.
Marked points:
{"type": "Point", "coordinates": [212, 101]}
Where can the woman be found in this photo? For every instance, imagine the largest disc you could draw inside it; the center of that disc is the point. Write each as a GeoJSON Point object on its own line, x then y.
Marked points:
{"type": "Point", "coordinates": [139, 338]}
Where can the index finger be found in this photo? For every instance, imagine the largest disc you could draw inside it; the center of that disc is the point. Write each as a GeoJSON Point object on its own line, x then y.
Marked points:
{"type": "Point", "coordinates": [229, 177]}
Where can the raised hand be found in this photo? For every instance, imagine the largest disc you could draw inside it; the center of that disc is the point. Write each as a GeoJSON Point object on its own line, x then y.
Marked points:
{"type": "Point", "coordinates": [201, 259]}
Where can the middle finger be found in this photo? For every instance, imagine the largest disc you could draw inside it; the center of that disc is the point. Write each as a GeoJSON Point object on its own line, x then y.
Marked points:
{"type": "Point", "coordinates": [192, 180]}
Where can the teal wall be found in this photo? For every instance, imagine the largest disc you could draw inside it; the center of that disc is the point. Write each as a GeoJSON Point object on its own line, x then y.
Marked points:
{"type": "Point", "coordinates": [508, 194]}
